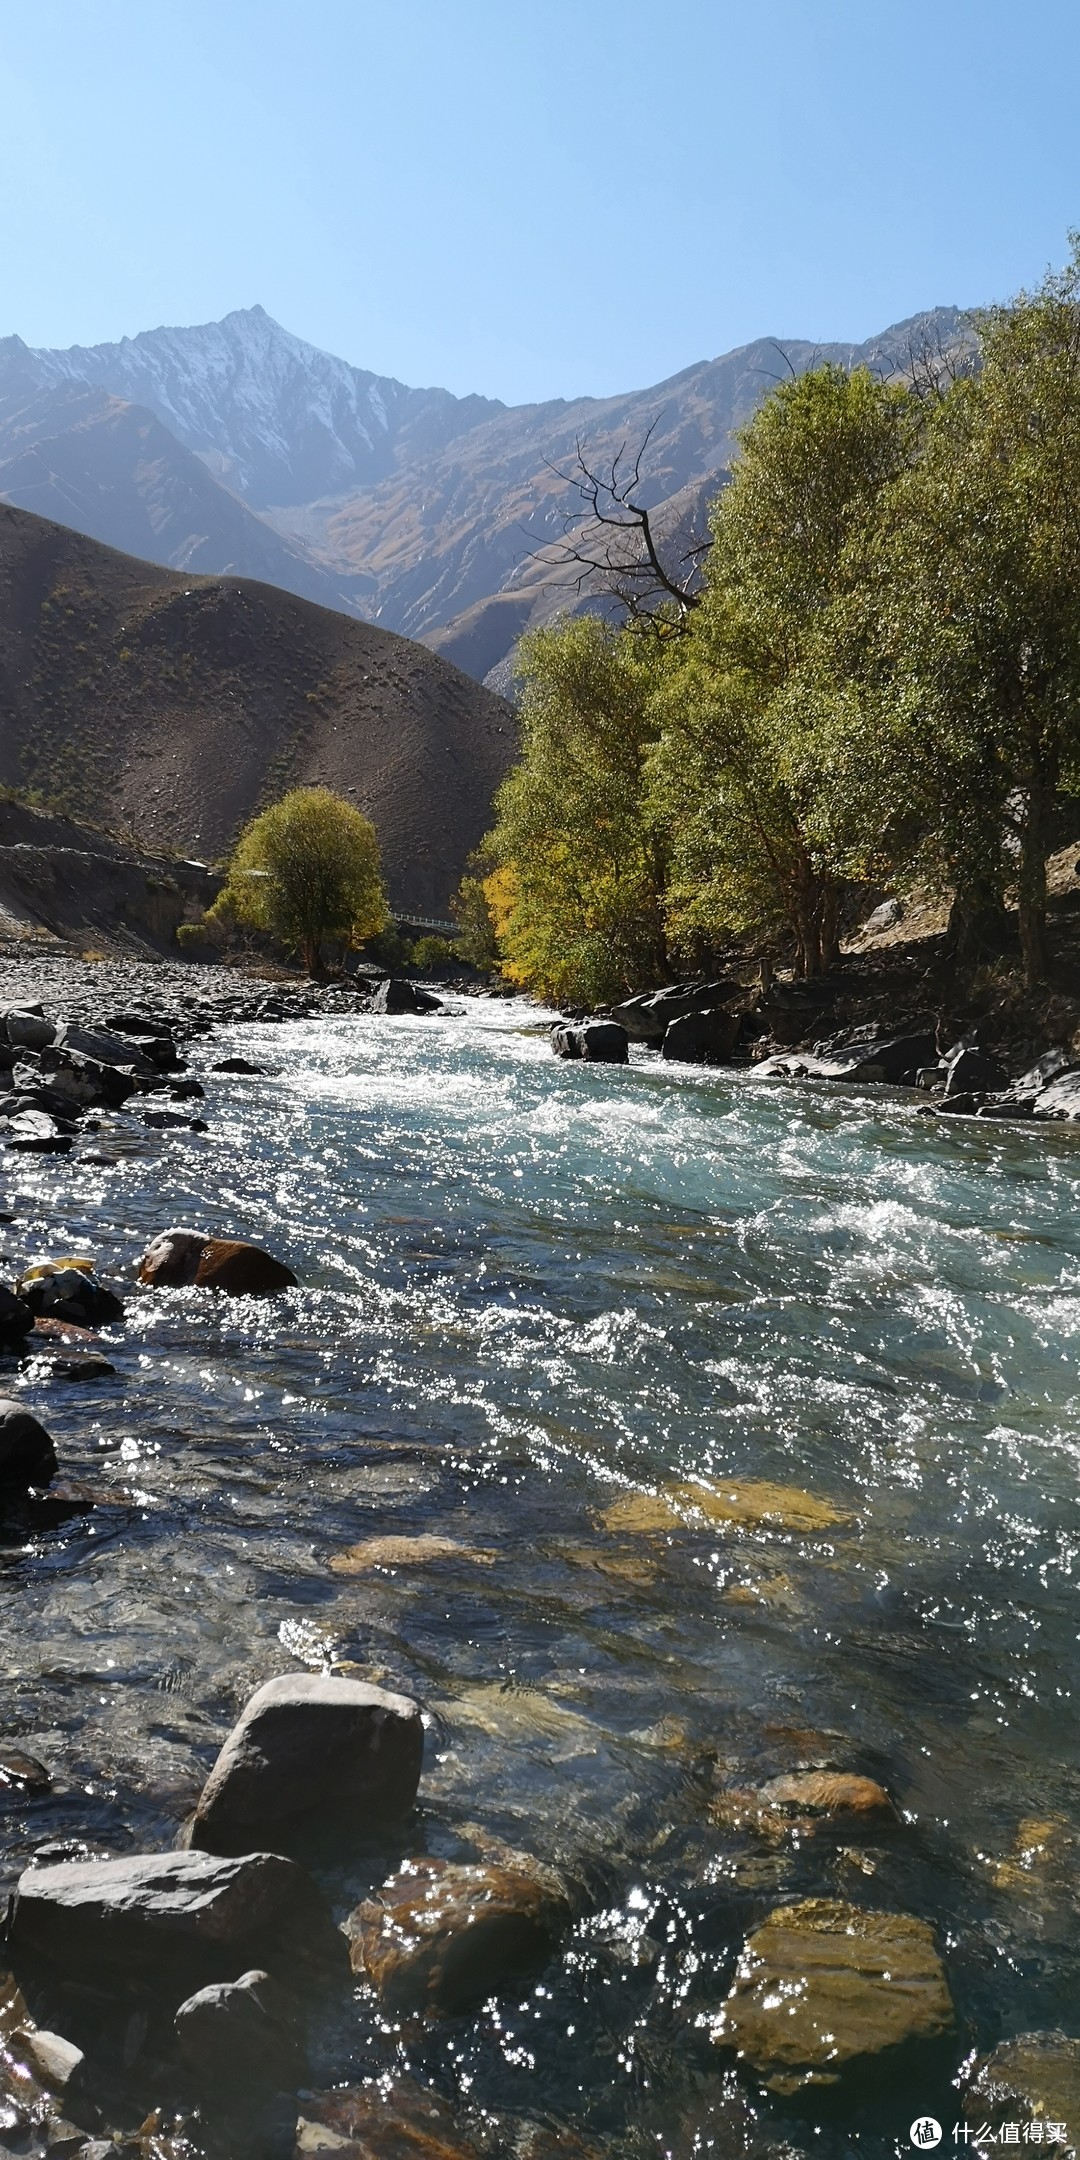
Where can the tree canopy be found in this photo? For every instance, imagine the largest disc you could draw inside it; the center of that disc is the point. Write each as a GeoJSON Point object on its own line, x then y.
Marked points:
{"type": "Point", "coordinates": [879, 680]}
{"type": "Point", "coordinates": [307, 870]}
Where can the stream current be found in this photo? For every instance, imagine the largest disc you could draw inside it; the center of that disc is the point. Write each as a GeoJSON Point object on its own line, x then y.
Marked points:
{"type": "Point", "coordinates": [529, 1291]}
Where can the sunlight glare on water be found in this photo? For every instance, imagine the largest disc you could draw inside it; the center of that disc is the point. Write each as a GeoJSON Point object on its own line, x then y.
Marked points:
{"type": "Point", "coordinates": [533, 1296]}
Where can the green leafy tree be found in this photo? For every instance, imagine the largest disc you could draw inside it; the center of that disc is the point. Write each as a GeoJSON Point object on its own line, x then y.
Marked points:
{"type": "Point", "coordinates": [760, 765]}
{"type": "Point", "coordinates": [577, 889]}
{"type": "Point", "coordinates": [977, 609]}
{"type": "Point", "coordinates": [307, 870]}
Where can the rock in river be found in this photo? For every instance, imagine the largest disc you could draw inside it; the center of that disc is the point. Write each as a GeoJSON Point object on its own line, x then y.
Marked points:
{"type": "Point", "coordinates": [599, 1042]}
{"type": "Point", "coordinates": [156, 1906]}
{"type": "Point", "coordinates": [27, 1455]}
{"type": "Point", "coordinates": [68, 1289]}
{"type": "Point", "coordinates": [1034, 2079]}
{"type": "Point", "coordinates": [748, 1503]}
{"type": "Point", "coordinates": [702, 1038]}
{"type": "Point", "coordinates": [182, 1259]}
{"type": "Point", "coordinates": [824, 1990]}
{"type": "Point", "coordinates": [438, 1936]}
{"type": "Point", "coordinates": [309, 1741]}
{"type": "Point", "coordinates": [241, 2031]}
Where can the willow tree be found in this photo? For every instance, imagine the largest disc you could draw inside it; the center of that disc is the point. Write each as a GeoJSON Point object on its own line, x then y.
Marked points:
{"type": "Point", "coordinates": [306, 870]}
{"type": "Point", "coordinates": [757, 775]}
{"type": "Point", "coordinates": [582, 860]}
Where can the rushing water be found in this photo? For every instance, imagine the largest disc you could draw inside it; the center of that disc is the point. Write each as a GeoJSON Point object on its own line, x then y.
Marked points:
{"type": "Point", "coordinates": [527, 1288]}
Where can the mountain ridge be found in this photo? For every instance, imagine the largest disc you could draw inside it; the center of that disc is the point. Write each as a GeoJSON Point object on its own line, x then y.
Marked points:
{"type": "Point", "coordinates": [432, 515]}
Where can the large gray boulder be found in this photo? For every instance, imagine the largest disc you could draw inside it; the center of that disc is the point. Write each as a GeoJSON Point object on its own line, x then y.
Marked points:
{"type": "Point", "coordinates": [309, 1742]}
{"type": "Point", "coordinates": [26, 1028]}
{"type": "Point", "coordinates": [395, 995]}
{"type": "Point", "coordinates": [156, 1907]}
{"type": "Point", "coordinates": [647, 1017]}
{"type": "Point", "coordinates": [104, 1049]}
{"type": "Point", "coordinates": [702, 1038]}
{"type": "Point", "coordinates": [598, 1042]}
{"type": "Point", "coordinates": [27, 1454]}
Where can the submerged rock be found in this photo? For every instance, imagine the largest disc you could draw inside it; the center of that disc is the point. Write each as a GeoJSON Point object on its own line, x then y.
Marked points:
{"type": "Point", "coordinates": [373, 2122]}
{"type": "Point", "coordinates": [439, 1936]}
{"type": "Point", "coordinates": [824, 1990]}
{"type": "Point", "coordinates": [1034, 2078]}
{"type": "Point", "coordinates": [183, 1259]}
{"type": "Point", "coordinates": [22, 1777]}
{"type": "Point", "coordinates": [156, 1907]}
{"type": "Point", "coordinates": [27, 1454]}
{"type": "Point", "coordinates": [745, 1502]}
{"type": "Point", "coordinates": [241, 2031]}
{"type": "Point", "coordinates": [404, 1552]}
{"type": "Point", "coordinates": [598, 1042]}
{"type": "Point", "coordinates": [827, 1792]}
{"type": "Point", "coordinates": [310, 1741]}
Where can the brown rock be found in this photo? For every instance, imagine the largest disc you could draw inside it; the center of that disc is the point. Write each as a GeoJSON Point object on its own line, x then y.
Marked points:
{"type": "Point", "coordinates": [439, 1937]}
{"type": "Point", "coordinates": [310, 1741]}
{"type": "Point", "coordinates": [365, 2122]}
{"type": "Point", "coordinates": [182, 1259]}
{"type": "Point", "coordinates": [744, 1503]}
{"type": "Point", "coordinates": [827, 1792]}
{"type": "Point", "coordinates": [824, 1989]}
{"type": "Point", "coordinates": [1034, 2078]}
{"type": "Point", "coordinates": [404, 1552]}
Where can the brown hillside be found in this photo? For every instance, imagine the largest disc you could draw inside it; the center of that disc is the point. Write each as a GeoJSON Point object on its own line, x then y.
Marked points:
{"type": "Point", "coordinates": [171, 706]}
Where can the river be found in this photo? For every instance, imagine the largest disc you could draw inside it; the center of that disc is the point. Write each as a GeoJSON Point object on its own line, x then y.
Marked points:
{"type": "Point", "coordinates": [529, 1291]}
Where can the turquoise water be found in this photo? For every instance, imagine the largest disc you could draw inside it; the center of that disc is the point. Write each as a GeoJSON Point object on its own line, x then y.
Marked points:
{"type": "Point", "coordinates": [530, 1290]}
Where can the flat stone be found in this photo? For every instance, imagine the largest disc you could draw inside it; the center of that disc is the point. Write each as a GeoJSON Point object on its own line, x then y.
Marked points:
{"type": "Point", "coordinates": [748, 1503]}
{"type": "Point", "coordinates": [57, 2062]}
{"type": "Point", "coordinates": [310, 1741]}
{"type": "Point", "coordinates": [440, 1936]}
{"type": "Point", "coordinates": [824, 1990]}
{"type": "Point", "coordinates": [404, 1552]}
{"type": "Point", "coordinates": [153, 1906]}
{"type": "Point", "coordinates": [242, 2030]}
{"type": "Point", "coordinates": [1034, 2078]}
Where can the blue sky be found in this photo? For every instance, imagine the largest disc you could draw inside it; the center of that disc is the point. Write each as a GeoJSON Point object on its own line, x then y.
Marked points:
{"type": "Point", "coordinates": [530, 198]}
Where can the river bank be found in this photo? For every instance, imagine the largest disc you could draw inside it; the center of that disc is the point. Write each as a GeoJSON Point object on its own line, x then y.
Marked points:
{"type": "Point", "coordinates": [526, 1444]}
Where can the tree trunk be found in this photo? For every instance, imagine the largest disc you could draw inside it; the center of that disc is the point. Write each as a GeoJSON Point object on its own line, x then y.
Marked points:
{"type": "Point", "coordinates": [830, 924]}
{"type": "Point", "coordinates": [1031, 884]}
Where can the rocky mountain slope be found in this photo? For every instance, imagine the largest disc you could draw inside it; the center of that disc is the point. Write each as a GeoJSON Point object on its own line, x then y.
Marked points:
{"type": "Point", "coordinates": [430, 514]}
{"type": "Point", "coordinates": [169, 706]}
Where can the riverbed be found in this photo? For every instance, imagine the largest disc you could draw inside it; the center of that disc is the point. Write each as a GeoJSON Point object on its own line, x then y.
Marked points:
{"type": "Point", "coordinates": [531, 1291]}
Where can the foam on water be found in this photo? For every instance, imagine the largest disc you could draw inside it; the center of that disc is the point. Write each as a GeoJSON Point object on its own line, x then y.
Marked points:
{"type": "Point", "coordinates": [529, 1288]}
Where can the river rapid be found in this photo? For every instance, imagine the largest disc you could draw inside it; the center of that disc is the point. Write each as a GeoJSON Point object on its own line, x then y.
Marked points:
{"type": "Point", "coordinates": [529, 1291]}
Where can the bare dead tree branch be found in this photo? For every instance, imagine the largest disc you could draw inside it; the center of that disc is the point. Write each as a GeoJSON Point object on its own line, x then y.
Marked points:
{"type": "Point", "coordinates": [610, 539]}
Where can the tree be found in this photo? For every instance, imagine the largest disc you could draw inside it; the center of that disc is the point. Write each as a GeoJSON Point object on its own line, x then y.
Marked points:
{"type": "Point", "coordinates": [307, 870]}
{"type": "Point", "coordinates": [758, 772]}
{"type": "Point", "coordinates": [615, 548]}
{"type": "Point", "coordinates": [577, 895]}
{"type": "Point", "coordinates": [978, 611]}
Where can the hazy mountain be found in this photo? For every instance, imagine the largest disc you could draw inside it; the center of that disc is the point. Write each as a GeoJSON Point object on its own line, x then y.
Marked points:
{"type": "Point", "coordinates": [427, 513]}
{"type": "Point", "coordinates": [274, 418]}
{"type": "Point", "coordinates": [112, 470]}
{"type": "Point", "coordinates": [173, 705]}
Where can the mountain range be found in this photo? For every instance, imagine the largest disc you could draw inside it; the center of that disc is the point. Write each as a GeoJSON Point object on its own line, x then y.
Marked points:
{"type": "Point", "coordinates": [236, 448]}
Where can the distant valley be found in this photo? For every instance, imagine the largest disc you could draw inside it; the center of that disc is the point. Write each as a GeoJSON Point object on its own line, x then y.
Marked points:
{"type": "Point", "coordinates": [237, 448]}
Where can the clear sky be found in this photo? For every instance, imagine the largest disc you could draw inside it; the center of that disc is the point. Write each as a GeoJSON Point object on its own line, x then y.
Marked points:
{"type": "Point", "coordinates": [530, 198]}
